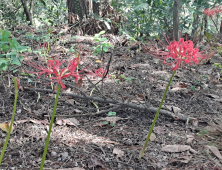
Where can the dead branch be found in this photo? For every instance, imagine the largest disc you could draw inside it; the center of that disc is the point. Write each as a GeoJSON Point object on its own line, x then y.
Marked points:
{"type": "Point", "coordinates": [123, 104]}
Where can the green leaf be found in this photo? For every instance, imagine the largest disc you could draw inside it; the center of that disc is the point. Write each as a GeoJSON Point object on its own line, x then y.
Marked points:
{"type": "Point", "coordinates": [11, 53]}
{"type": "Point", "coordinates": [43, 2]}
{"type": "Point", "coordinates": [208, 35]}
{"type": "Point", "coordinates": [15, 70]}
{"type": "Point", "coordinates": [21, 57]}
{"type": "Point", "coordinates": [15, 60]}
{"type": "Point", "coordinates": [29, 80]}
{"type": "Point", "coordinates": [5, 35]}
{"type": "Point", "coordinates": [110, 113]}
{"type": "Point", "coordinates": [3, 61]}
{"type": "Point", "coordinates": [71, 49]}
{"type": "Point", "coordinates": [105, 123]}
{"type": "Point", "coordinates": [4, 66]}
{"type": "Point", "coordinates": [112, 124]}
{"type": "Point", "coordinates": [96, 40]}
{"type": "Point", "coordinates": [103, 39]}
{"type": "Point", "coordinates": [5, 47]}
{"type": "Point", "coordinates": [102, 32]}
{"type": "Point", "coordinates": [192, 88]}
{"type": "Point", "coordinates": [105, 49]}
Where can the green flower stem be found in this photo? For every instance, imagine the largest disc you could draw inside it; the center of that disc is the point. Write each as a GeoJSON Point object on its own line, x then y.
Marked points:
{"type": "Point", "coordinates": [156, 116]}
{"type": "Point", "coordinates": [93, 101]}
{"type": "Point", "coordinates": [11, 123]}
{"type": "Point", "coordinates": [50, 128]}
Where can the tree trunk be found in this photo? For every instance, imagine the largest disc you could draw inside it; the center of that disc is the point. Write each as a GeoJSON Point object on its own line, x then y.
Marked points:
{"type": "Point", "coordinates": [90, 6]}
{"type": "Point", "coordinates": [176, 19]}
{"type": "Point", "coordinates": [80, 7]}
{"type": "Point", "coordinates": [96, 7]}
{"type": "Point", "coordinates": [83, 8]}
{"type": "Point", "coordinates": [27, 12]}
{"type": "Point", "coordinates": [195, 22]}
{"type": "Point", "coordinates": [205, 24]}
{"type": "Point", "coordinates": [31, 7]}
{"type": "Point", "coordinates": [221, 27]}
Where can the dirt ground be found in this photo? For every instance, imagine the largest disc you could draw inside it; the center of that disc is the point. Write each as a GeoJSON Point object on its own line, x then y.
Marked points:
{"type": "Point", "coordinates": [84, 138]}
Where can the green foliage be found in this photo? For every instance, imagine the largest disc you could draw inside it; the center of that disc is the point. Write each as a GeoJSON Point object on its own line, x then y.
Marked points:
{"type": "Point", "coordinates": [219, 66]}
{"type": "Point", "coordinates": [110, 113]}
{"type": "Point", "coordinates": [129, 79]}
{"type": "Point", "coordinates": [103, 46]}
{"type": "Point", "coordinates": [151, 18]}
{"type": "Point", "coordinates": [10, 51]}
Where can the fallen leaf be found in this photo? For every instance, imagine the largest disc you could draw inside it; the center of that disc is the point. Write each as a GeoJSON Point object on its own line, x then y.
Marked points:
{"type": "Point", "coordinates": [98, 61]}
{"type": "Point", "coordinates": [183, 159]}
{"type": "Point", "coordinates": [159, 130]}
{"type": "Point", "coordinates": [139, 65]}
{"type": "Point", "coordinates": [177, 148]}
{"type": "Point", "coordinates": [5, 126]}
{"type": "Point", "coordinates": [100, 124]}
{"type": "Point", "coordinates": [93, 162]}
{"type": "Point", "coordinates": [71, 101]}
{"type": "Point", "coordinates": [152, 137]}
{"type": "Point", "coordinates": [44, 122]}
{"type": "Point", "coordinates": [77, 110]}
{"type": "Point", "coordinates": [176, 109]}
{"type": "Point", "coordinates": [214, 150]}
{"type": "Point", "coordinates": [118, 152]}
{"type": "Point", "coordinates": [59, 122]}
{"type": "Point", "coordinates": [79, 83]}
{"type": "Point", "coordinates": [70, 121]}
{"type": "Point", "coordinates": [190, 138]}
{"type": "Point", "coordinates": [213, 96]}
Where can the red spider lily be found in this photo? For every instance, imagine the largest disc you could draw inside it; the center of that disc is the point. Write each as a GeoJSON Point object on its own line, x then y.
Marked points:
{"type": "Point", "coordinates": [48, 70]}
{"type": "Point", "coordinates": [44, 45]}
{"type": "Point", "coordinates": [181, 52]}
{"type": "Point", "coordinates": [209, 12]}
{"type": "Point", "coordinates": [57, 74]}
{"type": "Point", "coordinates": [100, 72]}
{"type": "Point", "coordinates": [18, 83]}
{"type": "Point", "coordinates": [217, 9]}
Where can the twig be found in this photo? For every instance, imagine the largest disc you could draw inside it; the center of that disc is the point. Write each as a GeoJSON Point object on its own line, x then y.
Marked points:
{"type": "Point", "coordinates": [89, 114]}
{"type": "Point", "coordinates": [129, 105]}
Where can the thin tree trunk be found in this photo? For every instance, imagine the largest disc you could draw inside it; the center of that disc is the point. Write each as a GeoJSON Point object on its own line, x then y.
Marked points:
{"type": "Point", "coordinates": [176, 19]}
{"type": "Point", "coordinates": [221, 27]}
{"type": "Point", "coordinates": [27, 12]}
{"type": "Point", "coordinates": [96, 7]}
{"type": "Point", "coordinates": [77, 7]}
{"type": "Point", "coordinates": [205, 24]}
{"type": "Point", "coordinates": [90, 6]}
{"type": "Point", "coordinates": [195, 22]}
{"type": "Point", "coordinates": [31, 7]}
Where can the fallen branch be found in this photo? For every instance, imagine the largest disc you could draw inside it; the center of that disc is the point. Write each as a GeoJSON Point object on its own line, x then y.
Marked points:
{"type": "Point", "coordinates": [123, 104]}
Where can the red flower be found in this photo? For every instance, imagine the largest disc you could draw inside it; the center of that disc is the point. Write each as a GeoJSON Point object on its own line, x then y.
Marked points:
{"type": "Point", "coordinates": [57, 74]}
{"type": "Point", "coordinates": [43, 69]}
{"type": "Point", "coordinates": [217, 10]}
{"type": "Point", "coordinates": [72, 67]}
{"type": "Point", "coordinates": [182, 52]}
{"type": "Point", "coordinates": [44, 45]}
{"type": "Point", "coordinates": [100, 72]}
{"type": "Point", "coordinates": [209, 12]}
{"type": "Point", "coordinates": [18, 83]}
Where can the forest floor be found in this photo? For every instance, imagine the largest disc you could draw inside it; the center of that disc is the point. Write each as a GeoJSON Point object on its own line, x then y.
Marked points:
{"type": "Point", "coordinates": [80, 139]}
